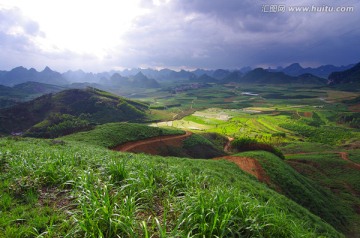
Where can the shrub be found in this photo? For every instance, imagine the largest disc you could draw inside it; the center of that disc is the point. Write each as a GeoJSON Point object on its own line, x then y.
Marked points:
{"type": "Point", "coordinates": [58, 125]}
{"type": "Point", "coordinates": [248, 144]}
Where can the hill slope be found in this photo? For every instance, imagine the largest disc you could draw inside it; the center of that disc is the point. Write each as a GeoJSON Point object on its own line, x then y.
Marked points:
{"type": "Point", "coordinates": [25, 92]}
{"type": "Point", "coordinates": [92, 105]}
{"type": "Point", "coordinates": [300, 189]}
{"type": "Point", "coordinates": [149, 140]}
{"type": "Point", "coordinates": [77, 190]}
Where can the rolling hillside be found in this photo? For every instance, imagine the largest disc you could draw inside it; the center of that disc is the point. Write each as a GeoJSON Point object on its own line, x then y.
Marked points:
{"type": "Point", "coordinates": [10, 96]}
{"type": "Point", "coordinates": [139, 138]}
{"type": "Point", "coordinates": [74, 189]}
{"type": "Point", "coordinates": [90, 105]}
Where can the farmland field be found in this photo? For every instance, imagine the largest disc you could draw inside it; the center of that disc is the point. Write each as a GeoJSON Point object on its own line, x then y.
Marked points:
{"type": "Point", "coordinates": [75, 186]}
{"type": "Point", "coordinates": [303, 122]}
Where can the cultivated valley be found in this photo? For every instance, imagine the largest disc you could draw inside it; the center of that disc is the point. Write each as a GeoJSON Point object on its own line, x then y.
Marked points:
{"type": "Point", "coordinates": [219, 153]}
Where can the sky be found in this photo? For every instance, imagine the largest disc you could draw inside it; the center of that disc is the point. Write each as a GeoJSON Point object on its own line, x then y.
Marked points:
{"type": "Point", "coordinates": [107, 35]}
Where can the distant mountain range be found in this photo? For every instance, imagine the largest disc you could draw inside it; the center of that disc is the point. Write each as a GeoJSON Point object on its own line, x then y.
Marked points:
{"type": "Point", "coordinates": [262, 76]}
{"type": "Point", "coordinates": [323, 71]}
{"type": "Point", "coordinates": [150, 78]}
{"type": "Point", "coordinates": [139, 80]}
{"type": "Point", "coordinates": [20, 75]}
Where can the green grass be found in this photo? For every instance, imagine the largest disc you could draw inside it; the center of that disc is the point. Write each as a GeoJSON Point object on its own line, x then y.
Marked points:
{"type": "Point", "coordinates": [306, 147]}
{"type": "Point", "coordinates": [305, 192]}
{"type": "Point", "coordinates": [83, 190]}
{"type": "Point", "coordinates": [195, 139]}
{"type": "Point", "coordinates": [354, 156]}
{"type": "Point", "coordinates": [335, 174]}
{"type": "Point", "coordinates": [325, 134]}
{"type": "Point", "coordinates": [113, 134]}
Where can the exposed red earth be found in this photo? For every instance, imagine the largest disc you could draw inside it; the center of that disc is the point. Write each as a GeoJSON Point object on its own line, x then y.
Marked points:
{"type": "Point", "coordinates": [151, 145]}
{"type": "Point", "coordinates": [249, 165]}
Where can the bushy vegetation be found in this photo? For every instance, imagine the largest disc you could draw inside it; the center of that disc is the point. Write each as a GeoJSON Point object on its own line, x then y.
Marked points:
{"type": "Point", "coordinates": [113, 134]}
{"type": "Point", "coordinates": [351, 119]}
{"type": "Point", "coordinates": [80, 190]}
{"type": "Point", "coordinates": [195, 139]}
{"type": "Point", "coordinates": [246, 144]}
{"type": "Point", "coordinates": [218, 140]}
{"type": "Point", "coordinates": [197, 146]}
{"type": "Point", "coordinates": [58, 125]}
{"type": "Point", "coordinates": [98, 106]}
{"type": "Point", "coordinates": [325, 134]}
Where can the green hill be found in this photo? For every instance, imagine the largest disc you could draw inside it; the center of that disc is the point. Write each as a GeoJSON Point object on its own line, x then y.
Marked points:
{"type": "Point", "coordinates": [10, 96]}
{"type": "Point", "coordinates": [79, 106]}
{"type": "Point", "coordinates": [302, 190]}
{"type": "Point", "coordinates": [111, 135]}
{"type": "Point", "coordinates": [52, 189]}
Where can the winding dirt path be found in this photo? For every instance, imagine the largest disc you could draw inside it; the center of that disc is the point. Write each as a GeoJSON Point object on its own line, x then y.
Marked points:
{"type": "Point", "coordinates": [151, 141]}
{"type": "Point", "coordinates": [343, 155]}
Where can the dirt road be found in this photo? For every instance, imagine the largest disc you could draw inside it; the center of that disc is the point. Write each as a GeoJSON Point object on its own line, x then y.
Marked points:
{"type": "Point", "coordinates": [152, 141]}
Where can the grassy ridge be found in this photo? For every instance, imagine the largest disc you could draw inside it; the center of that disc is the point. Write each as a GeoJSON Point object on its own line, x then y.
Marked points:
{"type": "Point", "coordinates": [78, 190]}
{"type": "Point", "coordinates": [335, 174]}
{"type": "Point", "coordinates": [113, 134]}
{"type": "Point", "coordinates": [92, 105]}
{"type": "Point", "coordinates": [305, 192]}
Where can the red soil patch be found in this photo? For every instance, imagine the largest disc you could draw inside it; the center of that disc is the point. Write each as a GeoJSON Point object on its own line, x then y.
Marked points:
{"type": "Point", "coordinates": [308, 114]}
{"type": "Point", "coordinates": [249, 165]}
{"type": "Point", "coordinates": [345, 156]}
{"type": "Point", "coordinates": [152, 145]}
{"type": "Point", "coordinates": [227, 147]}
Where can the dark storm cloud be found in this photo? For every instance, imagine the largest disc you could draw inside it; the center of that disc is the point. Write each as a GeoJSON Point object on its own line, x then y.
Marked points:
{"type": "Point", "coordinates": [233, 33]}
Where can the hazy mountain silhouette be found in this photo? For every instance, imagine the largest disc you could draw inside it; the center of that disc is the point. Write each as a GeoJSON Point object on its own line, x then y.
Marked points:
{"type": "Point", "coordinates": [323, 71]}
{"type": "Point", "coordinates": [351, 75]}
{"type": "Point", "coordinates": [21, 75]}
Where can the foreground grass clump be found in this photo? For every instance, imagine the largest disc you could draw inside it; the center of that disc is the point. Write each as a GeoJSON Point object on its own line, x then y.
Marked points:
{"type": "Point", "coordinates": [80, 190]}
{"type": "Point", "coordinates": [113, 134]}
